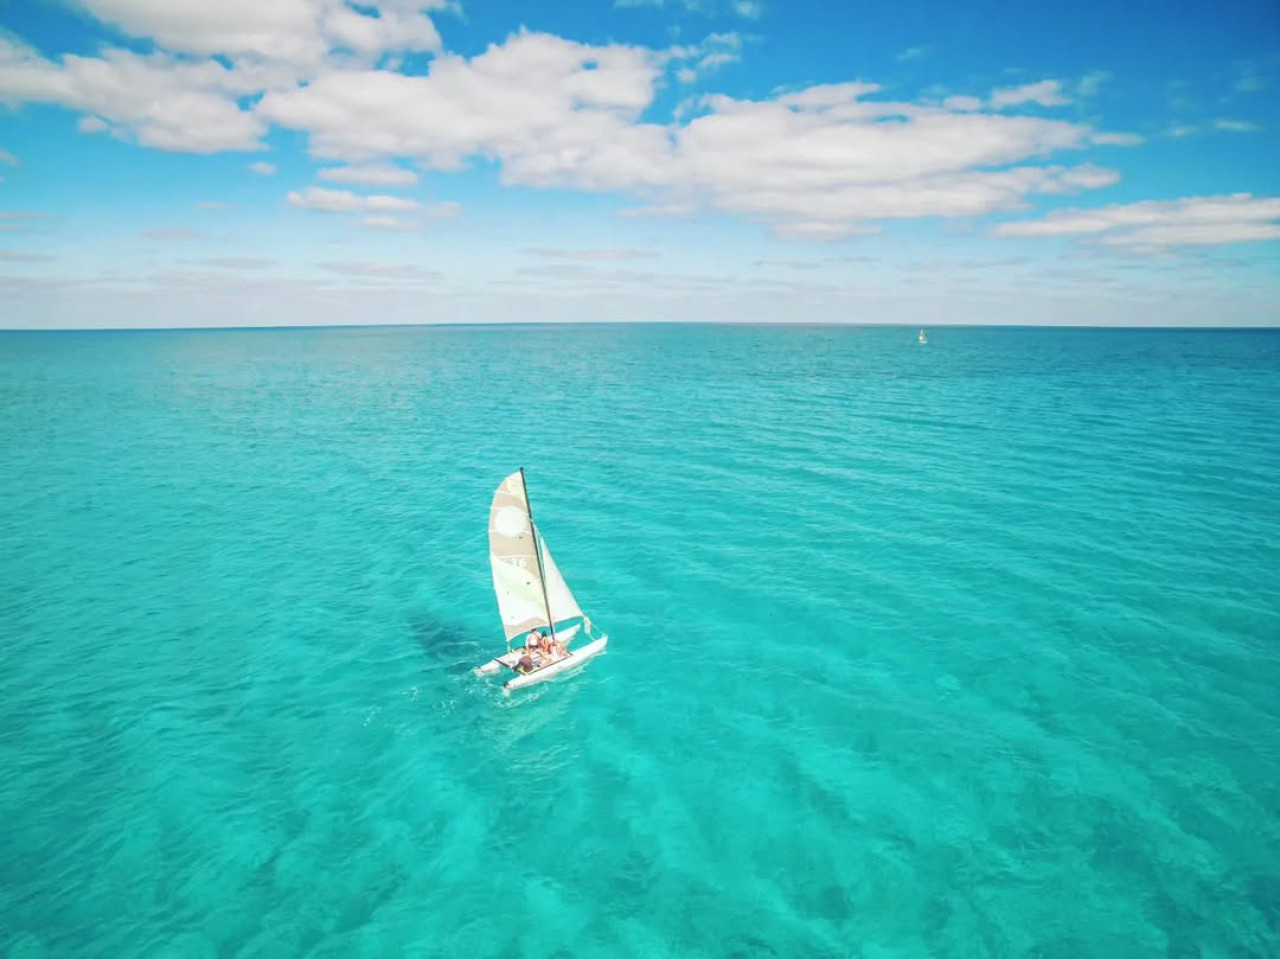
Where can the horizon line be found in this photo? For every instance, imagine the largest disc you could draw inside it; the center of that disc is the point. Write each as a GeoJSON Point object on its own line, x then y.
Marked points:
{"type": "Point", "coordinates": [596, 323]}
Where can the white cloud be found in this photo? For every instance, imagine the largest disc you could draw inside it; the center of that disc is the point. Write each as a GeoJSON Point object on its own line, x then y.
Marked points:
{"type": "Point", "coordinates": [534, 94]}
{"type": "Point", "coordinates": [789, 264]}
{"type": "Point", "coordinates": [911, 53]}
{"type": "Point", "coordinates": [822, 230]}
{"type": "Point", "coordinates": [157, 99]}
{"type": "Point", "coordinates": [822, 162]}
{"type": "Point", "coordinates": [444, 210]}
{"type": "Point", "coordinates": [262, 168]}
{"type": "Point", "coordinates": [326, 201]}
{"type": "Point", "coordinates": [292, 31]}
{"type": "Point", "coordinates": [8, 158]}
{"type": "Point", "coordinates": [389, 204]}
{"type": "Point", "coordinates": [814, 162]}
{"type": "Point", "coordinates": [1047, 93]}
{"type": "Point", "coordinates": [384, 271]}
{"type": "Point", "coordinates": [1236, 126]}
{"type": "Point", "coordinates": [343, 201]}
{"type": "Point", "coordinates": [1091, 83]}
{"type": "Point", "coordinates": [660, 210]}
{"type": "Point", "coordinates": [749, 9]}
{"type": "Point", "coordinates": [716, 51]}
{"type": "Point", "coordinates": [1159, 224]}
{"type": "Point", "coordinates": [21, 256]}
{"type": "Point", "coordinates": [1194, 234]}
{"type": "Point", "coordinates": [386, 223]}
{"type": "Point", "coordinates": [1084, 177]}
{"type": "Point", "coordinates": [382, 174]}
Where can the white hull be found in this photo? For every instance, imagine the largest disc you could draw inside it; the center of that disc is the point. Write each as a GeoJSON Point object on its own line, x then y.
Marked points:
{"type": "Point", "coordinates": [575, 658]}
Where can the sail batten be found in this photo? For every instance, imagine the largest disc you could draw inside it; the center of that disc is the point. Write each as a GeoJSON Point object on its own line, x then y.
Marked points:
{"type": "Point", "coordinates": [523, 603]}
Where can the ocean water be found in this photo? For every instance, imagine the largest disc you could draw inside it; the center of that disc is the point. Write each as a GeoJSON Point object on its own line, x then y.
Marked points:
{"type": "Point", "coordinates": [970, 649]}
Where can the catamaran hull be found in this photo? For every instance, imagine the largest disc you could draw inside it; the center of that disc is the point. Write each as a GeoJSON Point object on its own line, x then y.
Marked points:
{"type": "Point", "coordinates": [509, 660]}
{"type": "Point", "coordinates": [576, 658]}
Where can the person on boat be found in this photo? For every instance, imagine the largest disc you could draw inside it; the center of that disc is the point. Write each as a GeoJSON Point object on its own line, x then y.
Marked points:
{"type": "Point", "coordinates": [525, 665]}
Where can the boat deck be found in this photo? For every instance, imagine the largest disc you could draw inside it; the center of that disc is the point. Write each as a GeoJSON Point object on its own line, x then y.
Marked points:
{"type": "Point", "coordinates": [512, 659]}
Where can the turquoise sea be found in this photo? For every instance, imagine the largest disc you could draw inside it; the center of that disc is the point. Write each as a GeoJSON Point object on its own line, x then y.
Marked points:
{"type": "Point", "coordinates": [970, 649]}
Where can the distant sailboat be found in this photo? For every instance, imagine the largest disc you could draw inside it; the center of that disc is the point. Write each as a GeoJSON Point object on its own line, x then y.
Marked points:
{"type": "Point", "coordinates": [923, 338]}
{"type": "Point", "coordinates": [532, 595]}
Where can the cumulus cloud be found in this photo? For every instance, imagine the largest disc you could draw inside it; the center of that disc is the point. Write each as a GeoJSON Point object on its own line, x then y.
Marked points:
{"type": "Point", "coordinates": [504, 102]}
{"type": "Point", "coordinates": [8, 158]}
{"type": "Point", "coordinates": [814, 162]}
{"type": "Point", "coordinates": [386, 223]}
{"type": "Point", "coordinates": [718, 50]}
{"type": "Point", "coordinates": [748, 9]}
{"type": "Point", "coordinates": [263, 168]}
{"type": "Point", "coordinates": [821, 162]}
{"type": "Point", "coordinates": [156, 99]}
{"type": "Point", "coordinates": [382, 174]}
{"type": "Point", "coordinates": [1156, 225]}
{"type": "Point", "coordinates": [444, 210]}
{"type": "Point", "coordinates": [344, 201]}
{"type": "Point", "coordinates": [1047, 93]}
{"type": "Point", "coordinates": [294, 31]}
{"type": "Point", "coordinates": [1236, 126]}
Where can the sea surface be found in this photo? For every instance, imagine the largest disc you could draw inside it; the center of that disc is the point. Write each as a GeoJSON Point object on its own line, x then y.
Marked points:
{"type": "Point", "coordinates": [958, 650]}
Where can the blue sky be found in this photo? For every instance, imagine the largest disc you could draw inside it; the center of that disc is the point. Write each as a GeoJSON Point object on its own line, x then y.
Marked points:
{"type": "Point", "coordinates": [253, 162]}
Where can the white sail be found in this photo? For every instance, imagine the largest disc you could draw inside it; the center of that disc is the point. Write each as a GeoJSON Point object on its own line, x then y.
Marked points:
{"type": "Point", "coordinates": [522, 603]}
{"type": "Point", "coordinates": [563, 605]}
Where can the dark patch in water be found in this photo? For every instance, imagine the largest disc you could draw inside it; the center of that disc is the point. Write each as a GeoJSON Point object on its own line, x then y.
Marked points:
{"type": "Point", "coordinates": [451, 647]}
{"type": "Point", "coordinates": [1264, 894]}
{"type": "Point", "coordinates": [1067, 947]}
{"type": "Point", "coordinates": [748, 947]}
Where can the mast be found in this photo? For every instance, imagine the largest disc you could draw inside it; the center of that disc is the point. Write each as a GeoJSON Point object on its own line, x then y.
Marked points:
{"type": "Point", "coordinates": [537, 552]}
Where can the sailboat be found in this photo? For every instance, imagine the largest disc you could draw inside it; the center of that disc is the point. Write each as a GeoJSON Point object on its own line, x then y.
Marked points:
{"type": "Point", "coordinates": [923, 339]}
{"type": "Point", "coordinates": [532, 595]}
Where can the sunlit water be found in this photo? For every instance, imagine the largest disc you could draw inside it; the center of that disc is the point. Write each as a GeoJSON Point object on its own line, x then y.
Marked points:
{"type": "Point", "coordinates": [967, 649]}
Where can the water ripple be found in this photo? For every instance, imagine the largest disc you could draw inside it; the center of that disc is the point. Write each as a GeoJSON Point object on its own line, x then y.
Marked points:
{"type": "Point", "coordinates": [958, 651]}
